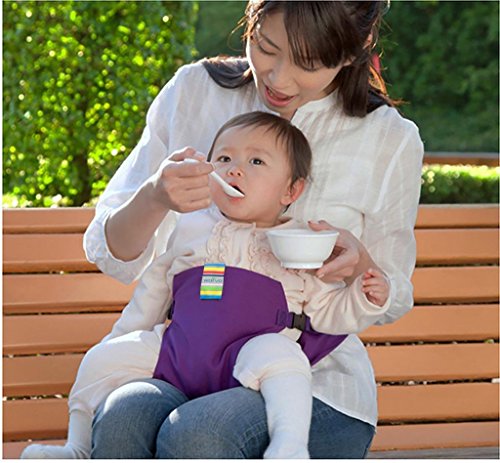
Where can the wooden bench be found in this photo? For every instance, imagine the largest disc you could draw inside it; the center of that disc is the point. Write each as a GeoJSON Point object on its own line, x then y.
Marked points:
{"type": "Point", "coordinates": [451, 157]}
{"type": "Point", "coordinates": [437, 367]}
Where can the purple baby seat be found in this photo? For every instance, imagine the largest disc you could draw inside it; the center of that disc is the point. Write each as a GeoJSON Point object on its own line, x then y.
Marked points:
{"type": "Point", "coordinates": [200, 346]}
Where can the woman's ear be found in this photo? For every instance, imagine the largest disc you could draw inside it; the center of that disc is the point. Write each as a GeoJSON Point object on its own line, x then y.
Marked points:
{"type": "Point", "coordinates": [369, 41]}
{"type": "Point", "coordinates": [368, 44]}
{"type": "Point", "coordinates": [294, 192]}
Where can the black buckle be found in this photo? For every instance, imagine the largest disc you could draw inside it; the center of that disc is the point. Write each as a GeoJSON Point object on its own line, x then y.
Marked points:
{"type": "Point", "coordinates": [299, 321]}
{"type": "Point", "coordinates": [170, 311]}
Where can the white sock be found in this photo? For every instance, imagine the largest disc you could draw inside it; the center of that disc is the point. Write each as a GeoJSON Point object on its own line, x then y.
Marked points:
{"type": "Point", "coordinates": [78, 445]}
{"type": "Point", "coordinates": [288, 399]}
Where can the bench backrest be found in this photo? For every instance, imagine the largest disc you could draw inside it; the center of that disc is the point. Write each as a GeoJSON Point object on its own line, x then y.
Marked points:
{"type": "Point", "coordinates": [435, 367]}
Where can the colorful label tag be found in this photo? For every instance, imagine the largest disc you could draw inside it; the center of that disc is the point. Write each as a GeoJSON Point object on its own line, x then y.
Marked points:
{"type": "Point", "coordinates": [212, 281]}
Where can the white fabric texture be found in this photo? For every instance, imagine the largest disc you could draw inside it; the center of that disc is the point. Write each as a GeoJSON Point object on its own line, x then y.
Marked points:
{"type": "Point", "coordinates": [201, 237]}
{"type": "Point", "coordinates": [277, 367]}
{"type": "Point", "coordinates": [78, 446]}
{"type": "Point", "coordinates": [366, 178]}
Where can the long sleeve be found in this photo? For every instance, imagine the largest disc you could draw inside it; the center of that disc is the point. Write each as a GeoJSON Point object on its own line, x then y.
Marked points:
{"type": "Point", "coordinates": [388, 233]}
{"type": "Point", "coordinates": [146, 158]}
{"type": "Point", "coordinates": [153, 295]}
{"type": "Point", "coordinates": [339, 309]}
{"type": "Point", "coordinates": [188, 111]}
{"type": "Point", "coordinates": [150, 302]}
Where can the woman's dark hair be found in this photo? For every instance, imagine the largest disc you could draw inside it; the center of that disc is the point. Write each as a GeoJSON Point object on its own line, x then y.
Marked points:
{"type": "Point", "coordinates": [329, 31]}
{"type": "Point", "coordinates": [295, 143]}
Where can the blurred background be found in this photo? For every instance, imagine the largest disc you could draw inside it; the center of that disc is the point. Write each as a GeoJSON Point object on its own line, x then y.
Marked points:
{"type": "Point", "coordinates": [79, 77]}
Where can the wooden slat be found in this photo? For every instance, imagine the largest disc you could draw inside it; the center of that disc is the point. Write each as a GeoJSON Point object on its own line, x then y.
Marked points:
{"type": "Point", "coordinates": [27, 418]}
{"type": "Point", "coordinates": [457, 216]}
{"type": "Point", "coordinates": [13, 450]}
{"type": "Point", "coordinates": [71, 220]}
{"type": "Point", "coordinates": [35, 334]}
{"type": "Point", "coordinates": [43, 220]}
{"type": "Point", "coordinates": [438, 402]}
{"type": "Point", "coordinates": [456, 284]}
{"type": "Point", "coordinates": [25, 253]}
{"type": "Point", "coordinates": [435, 362]}
{"type": "Point", "coordinates": [421, 436]}
{"type": "Point", "coordinates": [44, 252]}
{"type": "Point", "coordinates": [457, 246]}
{"type": "Point", "coordinates": [40, 375]}
{"type": "Point", "coordinates": [453, 158]}
{"type": "Point", "coordinates": [36, 293]}
{"type": "Point", "coordinates": [475, 322]}
{"type": "Point", "coordinates": [475, 453]}
{"type": "Point", "coordinates": [49, 375]}
{"type": "Point", "coordinates": [480, 436]}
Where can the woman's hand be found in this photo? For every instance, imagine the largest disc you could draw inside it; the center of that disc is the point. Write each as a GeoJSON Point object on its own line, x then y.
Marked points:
{"type": "Point", "coordinates": [180, 186]}
{"type": "Point", "coordinates": [349, 257]}
{"type": "Point", "coordinates": [176, 186]}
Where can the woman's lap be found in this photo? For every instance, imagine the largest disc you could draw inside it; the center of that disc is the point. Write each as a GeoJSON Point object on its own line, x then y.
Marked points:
{"type": "Point", "coordinates": [227, 424]}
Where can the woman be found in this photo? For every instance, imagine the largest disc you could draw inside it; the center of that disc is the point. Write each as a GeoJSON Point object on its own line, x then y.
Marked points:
{"type": "Point", "coordinates": [309, 62]}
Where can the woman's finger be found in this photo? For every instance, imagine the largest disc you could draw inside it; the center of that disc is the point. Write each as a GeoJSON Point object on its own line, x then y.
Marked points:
{"type": "Point", "coordinates": [321, 225]}
{"type": "Point", "coordinates": [187, 152]}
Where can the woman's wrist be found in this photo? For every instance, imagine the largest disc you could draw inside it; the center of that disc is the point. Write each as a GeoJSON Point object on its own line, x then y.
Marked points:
{"type": "Point", "coordinates": [365, 262]}
{"type": "Point", "coordinates": [129, 228]}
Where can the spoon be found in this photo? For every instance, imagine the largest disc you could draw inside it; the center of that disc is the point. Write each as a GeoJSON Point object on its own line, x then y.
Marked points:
{"type": "Point", "coordinates": [228, 189]}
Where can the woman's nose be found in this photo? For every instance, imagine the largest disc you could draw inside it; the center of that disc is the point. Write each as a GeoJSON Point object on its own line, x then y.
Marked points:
{"type": "Point", "coordinates": [279, 75]}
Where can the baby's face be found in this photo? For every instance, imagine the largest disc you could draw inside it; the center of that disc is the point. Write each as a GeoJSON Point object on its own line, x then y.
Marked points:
{"type": "Point", "coordinates": [255, 162]}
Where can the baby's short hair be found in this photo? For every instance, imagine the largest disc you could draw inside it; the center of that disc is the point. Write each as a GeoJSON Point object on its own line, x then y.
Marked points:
{"type": "Point", "coordinates": [296, 144]}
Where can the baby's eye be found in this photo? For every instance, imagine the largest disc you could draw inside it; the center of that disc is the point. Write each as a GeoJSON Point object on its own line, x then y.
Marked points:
{"type": "Point", "coordinates": [223, 158]}
{"type": "Point", "coordinates": [257, 162]}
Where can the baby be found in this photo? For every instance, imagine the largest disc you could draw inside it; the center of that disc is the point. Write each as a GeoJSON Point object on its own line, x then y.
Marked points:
{"type": "Point", "coordinates": [237, 316]}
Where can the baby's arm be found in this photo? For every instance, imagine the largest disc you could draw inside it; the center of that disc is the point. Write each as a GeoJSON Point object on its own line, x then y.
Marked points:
{"type": "Point", "coordinates": [337, 309]}
{"type": "Point", "coordinates": [375, 286]}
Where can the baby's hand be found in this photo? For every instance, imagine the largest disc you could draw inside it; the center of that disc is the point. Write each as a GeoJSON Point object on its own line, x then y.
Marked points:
{"type": "Point", "coordinates": [375, 287]}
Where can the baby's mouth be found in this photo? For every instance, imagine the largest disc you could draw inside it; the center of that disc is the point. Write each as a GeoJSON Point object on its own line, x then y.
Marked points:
{"type": "Point", "coordinates": [236, 187]}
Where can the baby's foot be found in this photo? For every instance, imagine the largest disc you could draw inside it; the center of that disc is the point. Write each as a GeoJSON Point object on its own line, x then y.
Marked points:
{"type": "Point", "coordinates": [54, 452]}
{"type": "Point", "coordinates": [286, 449]}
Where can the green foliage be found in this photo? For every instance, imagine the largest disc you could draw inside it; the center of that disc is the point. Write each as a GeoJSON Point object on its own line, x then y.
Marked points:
{"type": "Point", "coordinates": [445, 184]}
{"type": "Point", "coordinates": [216, 21]}
{"type": "Point", "coordinates": [80, 75]}
{"type": "Point", "coordinates": [78, 79]}
{"type": "Point", "coordinates": [442, 58]}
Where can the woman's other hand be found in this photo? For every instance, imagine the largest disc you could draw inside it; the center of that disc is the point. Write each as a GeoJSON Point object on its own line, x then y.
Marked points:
{"type": "Point", "coordinates": [349, 257]}
{"type": "Point", "coordinates": [182, 187]}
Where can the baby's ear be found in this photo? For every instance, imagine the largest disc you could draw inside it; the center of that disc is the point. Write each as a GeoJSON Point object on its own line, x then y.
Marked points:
{"type": "Point", "coordinates": [294, 192]}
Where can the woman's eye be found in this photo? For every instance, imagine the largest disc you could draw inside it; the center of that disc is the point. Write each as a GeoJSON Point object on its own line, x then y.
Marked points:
{"type": "Point", "coordinates": [262, 50]}
{"type": "Point", "coordinates": [309, 65]}
{"type": "Point", "coordinates": [312, 67]}
{"type": "Point", "coordinates": [257, 162]}
{"type": "Point", "coordinates": [315, 69]}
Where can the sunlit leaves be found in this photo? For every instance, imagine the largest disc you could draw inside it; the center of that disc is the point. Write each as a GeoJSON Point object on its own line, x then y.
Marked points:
{"type": "Point", "coordinates": [78, 79]}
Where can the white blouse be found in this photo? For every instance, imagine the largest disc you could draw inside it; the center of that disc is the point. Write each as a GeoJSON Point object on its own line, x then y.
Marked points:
{"type": "Point", "coordinates": [365, 178]}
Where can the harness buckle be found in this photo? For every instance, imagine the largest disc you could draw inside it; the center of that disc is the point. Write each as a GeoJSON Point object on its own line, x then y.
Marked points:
{"type": "Point", "coordinates": [299, 321]}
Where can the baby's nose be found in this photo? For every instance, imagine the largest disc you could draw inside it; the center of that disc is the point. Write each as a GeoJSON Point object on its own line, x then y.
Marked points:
{"type": "Point", "coordinates": [234, 170]}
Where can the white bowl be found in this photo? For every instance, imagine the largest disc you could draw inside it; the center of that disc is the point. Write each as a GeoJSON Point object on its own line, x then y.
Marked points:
{"type": "Point", "coordinates": [302, 248]}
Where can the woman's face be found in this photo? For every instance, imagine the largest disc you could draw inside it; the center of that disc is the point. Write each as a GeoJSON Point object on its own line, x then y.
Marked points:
{"type": "Point", "coordinates": [283, 85]}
